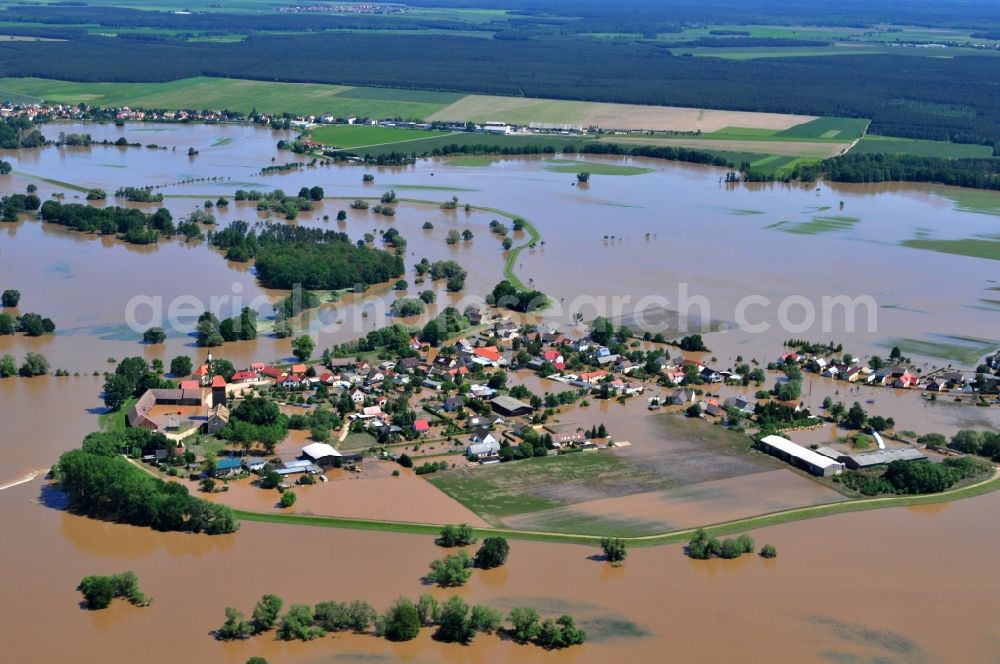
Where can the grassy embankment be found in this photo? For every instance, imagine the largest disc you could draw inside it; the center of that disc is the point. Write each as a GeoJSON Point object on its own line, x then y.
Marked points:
{"type": "Point", "coordinates": [114, 420]}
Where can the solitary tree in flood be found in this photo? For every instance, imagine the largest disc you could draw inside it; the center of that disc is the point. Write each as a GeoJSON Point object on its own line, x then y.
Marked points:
{"type": "Point", "coordinates": [614, 549]}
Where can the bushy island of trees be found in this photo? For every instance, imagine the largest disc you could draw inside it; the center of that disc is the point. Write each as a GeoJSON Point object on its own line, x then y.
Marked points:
{"type": "Point", "coordinates": [703, 547]}
{"type": "Point", "coordinates": [98, 591]}
{"type": "Point", "coordinates": [127, 224]}
{"type": "Point", "coordinates": [100, 483]}
{"type": "Point", "coordinates": [34, 364]}
{"type": "Point", "coordinates": [14, 204]}
{"type": "Point", "coordinates": [312, 258]}
{"type": "Point", "coordinates": [453, 621]}
{"type": "Point", "coordinates": [31, 324]}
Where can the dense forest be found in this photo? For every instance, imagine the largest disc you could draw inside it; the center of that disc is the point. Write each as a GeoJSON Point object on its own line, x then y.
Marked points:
{"type": "Point", "coordinates": [976, 173]}
{"type": "Point", "coordinates": [918, 97]}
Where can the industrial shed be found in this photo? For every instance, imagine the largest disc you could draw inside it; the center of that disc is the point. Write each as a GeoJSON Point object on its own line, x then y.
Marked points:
{"type": "Point", "coordinates": [510, 406]}
{"type": "Point", "coordinates": [803, 457]}
{"type": "Point", "coordinates": [882, 457]}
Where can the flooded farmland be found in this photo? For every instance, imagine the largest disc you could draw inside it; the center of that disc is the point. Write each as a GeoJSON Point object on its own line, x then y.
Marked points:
{"type": "Point", "coordinates": [849, 588]}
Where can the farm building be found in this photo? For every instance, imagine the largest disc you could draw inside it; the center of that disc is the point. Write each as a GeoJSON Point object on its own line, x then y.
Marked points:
{"type": "Point", "coordinates": [510, 406]}
{"type": "Point", "coordinates": [881, 457]}
{"type": "Point", "coordinates": [298, 466]}
{"type": "Point", "coordinates": [803, 457]}
{"type": "Point", "coordinates": [321, 454]}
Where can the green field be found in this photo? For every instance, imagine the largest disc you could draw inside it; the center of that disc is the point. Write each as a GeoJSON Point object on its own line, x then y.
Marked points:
{"type": "Point", "coordinates": [239, 95]}
{"type": "Point", "coordinates": [504, 490]}
{"type": "Point", "coordinates": [945, 149]}
{"type": "Point", "coordinates": [839, 129]}
{"type": "Point", "coordinates": [968, 351]}
{"type": "Point", "coordinates": [592, 167]}
{"type": "Point", "coordinates": [355, 136]}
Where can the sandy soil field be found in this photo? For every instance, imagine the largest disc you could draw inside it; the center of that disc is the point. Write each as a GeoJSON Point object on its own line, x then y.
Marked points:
{"type": "Point", "coordinates": [372, 494]}
{"type": "Point", "coordinates": [485, 108]}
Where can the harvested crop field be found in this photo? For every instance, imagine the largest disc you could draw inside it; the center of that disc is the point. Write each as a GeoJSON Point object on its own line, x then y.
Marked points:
{"type": "Point", "coordinates": [684, 507]}
{"type": "Point", "coordinates": [678, 453]}
{"type": "Point", "coordinates": [521, 110]}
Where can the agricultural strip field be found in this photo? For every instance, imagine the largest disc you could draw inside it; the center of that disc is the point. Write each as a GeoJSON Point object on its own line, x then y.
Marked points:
{"type": "Point", "coordinates": [944, 149]}
{"type": "Point", "coordinates": [683, 507]}
{"type": "Point", "coordinates": [521, 110]}
{"type": "Point", "coordinates": [239, 95]}
{"type": "Point", "coordinates": [838, 129]}
{"type": "Point", "coordinates": [682, 454]}
{"type": "Point", "coordinates": [355, 136]}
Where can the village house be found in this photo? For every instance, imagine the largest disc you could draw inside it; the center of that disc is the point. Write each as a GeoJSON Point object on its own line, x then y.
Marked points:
{"type": "Point", "coordinates": [593, 377]}
{"type": "Point", "coordinates": [740, 403]}
{"type": "Point", "coordinates": [681, 397]}
{"type": "Point", "coordinates": [451, 404]}
{"type": "Point", "coordinates": [226, 466]}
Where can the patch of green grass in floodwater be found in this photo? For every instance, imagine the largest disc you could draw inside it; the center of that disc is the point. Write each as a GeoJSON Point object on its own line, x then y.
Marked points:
{"type": "Point", "coordinates": [967, 350]}
{"type": "Point", "coordinates": [741, 212]}
{"type": "Point", "coordinates": [817, 225]}
{"type": "Point", "coordinates": [427, 187]}
{"type": "Point", "coordinates": [594, 168]}
{"type": "Point", "coordinates": [972, 200]}
{"type": "Point", "coordinates": [222, 140]}
{"type": "Point", "coordinates": [471, 162]}
{"type": "Point", "coordinates": [972, 247]}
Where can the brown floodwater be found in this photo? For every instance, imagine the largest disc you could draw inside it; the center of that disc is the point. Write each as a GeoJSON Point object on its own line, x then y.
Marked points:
{"type": "Point", "coordinates": [857, 587]}
{"type": "Point", "coordinates": [875, 586]}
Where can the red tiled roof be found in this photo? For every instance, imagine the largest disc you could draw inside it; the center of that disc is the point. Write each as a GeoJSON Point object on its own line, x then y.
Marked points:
{"type": "Point", "coordinates": [421, 425]}
{"type": "Point", "coordinates": [218, 381]}
{"type": "Point", "coordinates": [488, 352]}
{"type": "Point", "coordinates": [190, 385]}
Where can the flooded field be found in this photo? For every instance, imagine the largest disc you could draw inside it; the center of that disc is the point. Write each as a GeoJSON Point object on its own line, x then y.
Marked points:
{"type": "Point", "coordinates": [851, 588]}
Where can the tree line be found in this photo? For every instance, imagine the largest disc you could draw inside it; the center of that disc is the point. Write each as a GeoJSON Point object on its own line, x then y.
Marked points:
{"type": "Point", "coordinates": [454, 621]}
{"type": "Point", "coordinates": [100, 483]}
